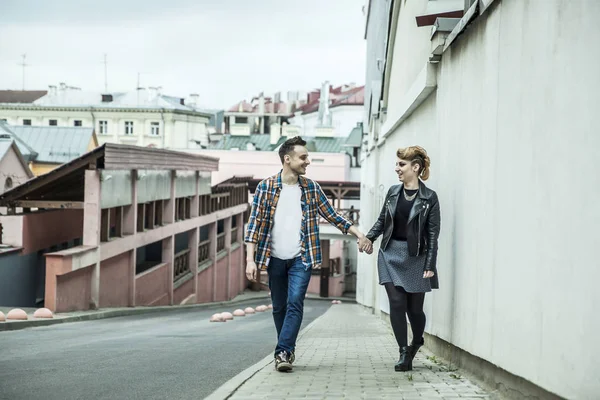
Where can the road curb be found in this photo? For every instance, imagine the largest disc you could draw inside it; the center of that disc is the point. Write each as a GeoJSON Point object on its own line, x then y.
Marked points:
{"type": "Point", "coordinates": [226, 390]}
{"type": "Point", "coordinates": [32, 323]}
{"type": "Point", "coordinates": [17, 325]}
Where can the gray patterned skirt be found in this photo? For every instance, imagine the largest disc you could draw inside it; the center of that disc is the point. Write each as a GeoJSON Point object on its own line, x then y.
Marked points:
{"type": "Point", "coordinates": [397, 266]}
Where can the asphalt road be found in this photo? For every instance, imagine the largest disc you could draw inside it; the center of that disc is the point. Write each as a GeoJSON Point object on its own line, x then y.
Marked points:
{"type": "Point", "coordinates": [171, 355]}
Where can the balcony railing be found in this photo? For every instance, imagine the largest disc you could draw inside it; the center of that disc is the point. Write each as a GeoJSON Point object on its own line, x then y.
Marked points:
{"type": "Point", "coordinates": [203, 251]}
{"type": "Point", "coordinates": [234, 234]}
{"type": "Point", "coordinates": [220, 241]}
{"type": "Point", "coordinates": [351, 214]}
{"type": "Point", "coordinates": [182, 264]}
{"type": "Point", "coordinates": [222, 197]}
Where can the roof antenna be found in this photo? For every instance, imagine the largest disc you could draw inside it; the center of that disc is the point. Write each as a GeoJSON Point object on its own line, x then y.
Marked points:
{"type": "Point", "coordinates": [23, 64]}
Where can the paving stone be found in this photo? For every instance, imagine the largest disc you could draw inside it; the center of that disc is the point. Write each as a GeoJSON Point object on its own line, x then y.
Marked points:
{"type": "Point", "coordinates": [350, 354]}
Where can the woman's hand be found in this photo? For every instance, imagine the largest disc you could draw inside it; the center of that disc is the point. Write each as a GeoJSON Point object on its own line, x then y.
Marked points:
{"type": "Point", "coordinates": [428, 274]}
{"type": "Point", "coordinates": [365, 245]}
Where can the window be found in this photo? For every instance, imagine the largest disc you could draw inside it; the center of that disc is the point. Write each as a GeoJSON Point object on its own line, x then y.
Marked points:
{"type": "Point", "coordinates": [77, 122]}
{"type": "Point", "coordinates": [129, 127]}
{"type": "Point", "coordinates": [26, 122]}
{"type": "Point", "coordinates": [8, 184]}
{"type": "Point", "coordinates": [3, 120]}
{"type": "Point", "coordinates": [53, 122]}
{"type": "Point", "coordinates": [103, 127]}
{"type": "Point", "coordinates": [241, 120]}
{"type": "Point", "coordinates": [154, 129]}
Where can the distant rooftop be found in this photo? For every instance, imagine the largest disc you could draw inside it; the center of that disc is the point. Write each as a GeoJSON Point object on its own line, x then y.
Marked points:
{"type": "Point", "coordinates": [338, 95]}
{"type": "Point", "coordinates": [72, 97]}
{"type": "Point", "coordinates": [49, 144]}
{"type": "Point", "coordinates": [21, 96]}
{"type": "Point", "coordinates": [262, 142]}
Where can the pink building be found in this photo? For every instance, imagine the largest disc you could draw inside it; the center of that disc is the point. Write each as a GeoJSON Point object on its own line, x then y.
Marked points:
{"type": "Point", "coordinates": [123, 226]}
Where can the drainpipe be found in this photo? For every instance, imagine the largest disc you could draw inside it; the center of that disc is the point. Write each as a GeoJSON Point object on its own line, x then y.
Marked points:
{"type": "Point", "coordinates": [93, 118]}
{"type": "Point", "coordinates": [162, 117]}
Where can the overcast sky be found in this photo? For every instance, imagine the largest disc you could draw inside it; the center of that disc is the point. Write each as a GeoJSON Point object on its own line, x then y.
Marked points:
{"type": "Point", "coordinates": [224, 50]}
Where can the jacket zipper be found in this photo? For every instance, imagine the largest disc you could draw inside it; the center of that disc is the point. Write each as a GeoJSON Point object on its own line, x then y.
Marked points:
{"type": "Point", "coordinates": [419, 230]}
{"type": "Point", "coordinates": [419, 235]}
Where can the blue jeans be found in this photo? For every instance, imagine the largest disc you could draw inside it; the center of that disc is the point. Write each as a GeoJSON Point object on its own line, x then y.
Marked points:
{"type": "Point", "coordinates": [288, 281]}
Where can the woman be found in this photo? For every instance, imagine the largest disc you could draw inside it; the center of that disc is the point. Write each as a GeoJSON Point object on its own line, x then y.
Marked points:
{"type": "Point", "coordinates": [410, 224]}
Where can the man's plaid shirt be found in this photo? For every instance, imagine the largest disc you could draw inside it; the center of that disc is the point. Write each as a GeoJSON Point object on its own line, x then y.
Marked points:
{"type": "Point", "coordinates": [313, 202]}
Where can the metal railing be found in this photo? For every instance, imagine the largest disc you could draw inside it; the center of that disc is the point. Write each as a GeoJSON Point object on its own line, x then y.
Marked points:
{"type": "Point", "coordinates": [182, 264]}
{"type": "Point", "coordinates": [203, 251]}
{"type": "Point", "coordinates": [222, 197]}
{"type": "Point", "coordinates": [352, 214]}
{"type": "Point", "coordinates": [220, 241]}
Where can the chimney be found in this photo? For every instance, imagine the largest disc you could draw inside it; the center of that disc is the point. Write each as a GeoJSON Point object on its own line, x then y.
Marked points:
{"type": "Point", "coordinates": [261, 103]}
{"type": "Point", "coordinates": [152, 93]}
{"type": "Point", "coordinates": [292, 97]}
{"type": "Point", "coordinates": [313, 96]}
{"type": "Point", "coordinates": [194, 100]}
{"type": "Point", "coordinates": [52, 91]}
{"type": "Point", "coordinates": [324, 112]}
{"type": "Point", "coordinates": [62, 86]}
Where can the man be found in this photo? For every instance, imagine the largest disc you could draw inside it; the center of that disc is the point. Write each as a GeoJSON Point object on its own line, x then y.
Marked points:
{"type": "Point", "coordinates": [283, 238]}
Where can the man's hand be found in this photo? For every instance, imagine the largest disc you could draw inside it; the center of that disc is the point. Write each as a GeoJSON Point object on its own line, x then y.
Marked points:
{"type": "Point", "coordinates": [251, 271]}
{"type": "Point", "coordinates": [428, 274]}
{"type": "Point", "coordinates": [365, 245]}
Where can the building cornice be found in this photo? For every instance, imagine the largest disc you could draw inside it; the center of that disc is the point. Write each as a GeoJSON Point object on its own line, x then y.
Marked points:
{"type": "Point", "coordinates": [32, 107]}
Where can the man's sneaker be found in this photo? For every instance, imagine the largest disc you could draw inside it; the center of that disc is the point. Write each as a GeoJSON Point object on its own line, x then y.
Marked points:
{"type": "Point", "coordinates": [292, 357]}
{"type": "Point", "coordinates": [282, 362]}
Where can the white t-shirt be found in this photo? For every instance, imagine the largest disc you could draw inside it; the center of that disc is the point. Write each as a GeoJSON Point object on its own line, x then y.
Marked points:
{"type": "Point", "coordinates": [285, 237]}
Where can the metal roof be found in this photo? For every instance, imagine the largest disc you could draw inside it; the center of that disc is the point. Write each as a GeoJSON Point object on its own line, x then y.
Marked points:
{"type": "Point", "coordinates": [4, 146]}
{"type": "Point", "coordinates": [325, 144]}
{"type": "Point", "coordinates": [27, 151]}
{"type": "Point", "coordinates": [262, 142]}
{"type": "Point", "coordinates": [55, 144]}
{"type": "Point", "coordinates": [355, 137]}
{"type": "Point", "coordinates": [142, 99]}
{"type": "Point", "coordinates": [66, 183]}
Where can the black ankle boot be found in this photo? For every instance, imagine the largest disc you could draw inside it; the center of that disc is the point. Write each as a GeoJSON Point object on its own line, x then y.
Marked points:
{"type": "Point", "coordinates": [414, 348]}
{"type": "Point", "coordinates": [405, 362]}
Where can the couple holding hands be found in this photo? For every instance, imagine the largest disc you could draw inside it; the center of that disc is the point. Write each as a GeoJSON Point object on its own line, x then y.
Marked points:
{"type": "Point", "coordinates": [282, 238]}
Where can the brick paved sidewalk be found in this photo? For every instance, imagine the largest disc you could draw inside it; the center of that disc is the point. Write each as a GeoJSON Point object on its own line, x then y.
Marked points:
{"type": "Point", "coordinates": [348, 353]}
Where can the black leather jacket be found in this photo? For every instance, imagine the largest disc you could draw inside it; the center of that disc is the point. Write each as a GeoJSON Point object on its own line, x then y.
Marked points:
{"type": "Point", "coordinates": [423, 227]}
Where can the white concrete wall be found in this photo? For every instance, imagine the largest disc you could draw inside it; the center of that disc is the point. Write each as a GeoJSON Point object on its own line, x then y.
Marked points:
{"type": "Point", "coordinates": [511, 131]}
{"type": "Point", "coordinates": [178, 129]}
{"type": "Point", "coordinates": [411, 50]}
{"type": "Point", "coordinates": [13, 170]}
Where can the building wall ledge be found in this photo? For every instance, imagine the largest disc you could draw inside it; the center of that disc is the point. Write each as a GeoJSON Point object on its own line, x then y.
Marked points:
{"type": "Point", "coordinates": [422, 87]}
{"type": "Point", "coordinates": [183, 280]}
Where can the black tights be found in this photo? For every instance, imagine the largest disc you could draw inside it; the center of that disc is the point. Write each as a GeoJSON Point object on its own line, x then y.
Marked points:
{"type": "Point", "coordinates": [402, 303]}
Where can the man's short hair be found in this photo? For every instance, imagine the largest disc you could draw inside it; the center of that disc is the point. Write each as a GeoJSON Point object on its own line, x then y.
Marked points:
{"type": "Point", "coordinates": [288, 146]}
